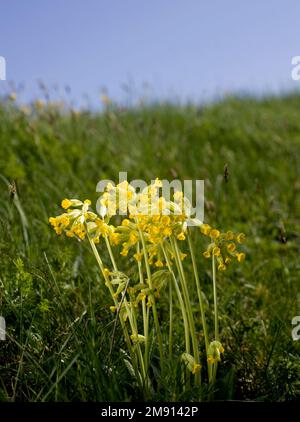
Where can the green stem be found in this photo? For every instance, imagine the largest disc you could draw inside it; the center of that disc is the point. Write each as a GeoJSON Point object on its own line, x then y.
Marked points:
{"type": "Point", "coordinates": [139, 350]}
{"type": "Point", "coordinates": [111, 290]}
{"type": "Point", "coordinates": [181, 302]}
{"type": "Point", "coordinates": [111, 255]}
{"type": "Point", "coordinates": [171, 322]}
{"type": "Point", "coordinates": [188, 306]}
{"type": "Point", "coordinates": [154, 310]}
{"type": "Point", "coordinates": [102, 268]}
{"type": "Point", "coordinates": [131, 312]}
{"type": "Point", "coordinates": [199, 292]}
{"type": "Point", "coordinates": [215, 299]}
{"type": "Point", "coordinates": [214, 366]}
{"type": "Point", "coordinates": [145, 314]}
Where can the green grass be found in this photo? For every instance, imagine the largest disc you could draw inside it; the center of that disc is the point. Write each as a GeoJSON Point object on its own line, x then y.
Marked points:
{"type": "Point", "coordinates": [51, 294]}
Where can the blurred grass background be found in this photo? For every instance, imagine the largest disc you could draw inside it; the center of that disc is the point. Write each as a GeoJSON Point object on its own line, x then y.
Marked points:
{"type": "Point", "coordinates": [51, 295]}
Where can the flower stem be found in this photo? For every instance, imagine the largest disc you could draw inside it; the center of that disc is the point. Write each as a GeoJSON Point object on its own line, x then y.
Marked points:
{"type": "Point", "coordinates": [199, 292]}
{"type": "Point", "coordinates": [111, 255]}
{"type": "Point", "coordinates": [131, 314]}
{"type": "Point", "coordinates": [180, 299]}
{"type": "Point", "coordinates": [170, 322]}
{"type": "Point", "coordinates": [145, 314]}
{"type": "Point", "coordinates": [154, 310]}
{"type": "Point", "coordinates": [111, 290]}
{"type": "Point", "coordinates": [215, 299]}
{"type": "Point", "coordinates": [188, 306]}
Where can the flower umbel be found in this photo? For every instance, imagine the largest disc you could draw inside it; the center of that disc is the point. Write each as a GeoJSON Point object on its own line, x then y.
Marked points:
{"type": "Point", "coordinates": [223, 246]}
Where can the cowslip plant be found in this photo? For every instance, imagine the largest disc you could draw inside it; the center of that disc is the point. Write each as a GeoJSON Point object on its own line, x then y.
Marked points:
{"type": "Point", "coordinates": [154, 232]}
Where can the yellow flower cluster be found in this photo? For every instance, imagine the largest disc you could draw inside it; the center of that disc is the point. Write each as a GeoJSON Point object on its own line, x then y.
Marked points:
{"type": "Point", "coordinates": [79, 220]}
{"type": "Point", "coordinates": [223, 246]}
{"type": "Point", "coordinates": [148, 215]}
{"type": "Point", "coordinates": [124, 199]}
{"type": "Point", "coordinates": [153, 230]}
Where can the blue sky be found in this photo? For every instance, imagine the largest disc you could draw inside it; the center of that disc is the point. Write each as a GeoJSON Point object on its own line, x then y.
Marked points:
{"type": "Point", "coordinates": [176, 49]}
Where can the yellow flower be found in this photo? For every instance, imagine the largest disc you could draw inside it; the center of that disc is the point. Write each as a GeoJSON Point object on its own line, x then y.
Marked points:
{"type": "Point", "coordinates": [58, 230]}
{"type": "Point", "coordinates": [154, 230]}
{"type": "Point", "coordinates": [227, 260]}
{"type": "Point", "coordinates": [129, 195]}
{"type": "Point", "coordinates": [87, 202]}
{"type": "Point", "coordinates": [81, 235]}
{"type": "Point", "coordinates": [133, 238]}
{"type": "Point", "coordinates": [231, 247]}
{"type": "Point", "coordinates": [214, 233]}
{"type": "Point", "coordinates": [196, 368]}
{"type": "Point", "coordinates": [206, 254]}
{"type": "Point", "coordinates": [143, 295]}
{"type": "Point", "coordinates": [240, 257]}
{"type": "Point", "coordinates": [167, 231]}
{"type": "Point", "coordinates": [138, 256]}
{"type": "Point", "coordinates": [216, 251]}
{"type": "Point", "coordinates": [123, 185]}
{"type": "Point", "coordinates": [241, 237]}
{"type": "Point", "coordinates": [104, 199]}
{"type": "Point", "coordinates": [229, 235]}
{"type": "Point", "coordinates": [125, 222]}
{"type": "Point", "coordinates": [113, 308]}
{"type": "Point", "coordinates": [214, 352]}
{"type": "Point", "coordinates": [64, 220]}
{"type": "Point", "coordinates": [158, 183]}
{"type": "Point", "coordinates": [124, 252]}
{"type": "Point", "coordinates": [52, 221]}
{"type": "Point", "coordinates": [106, 272]}
{"type": "Point", "coordinates": [221, 267]}
{"type": "Point", "coordinates": [181, 236]}
{"type": "Point", "coordinates": [110, 186]}
{"type": "Point", "coordinates": [165, 219]}
{"type": "Point", "coordinates": [69, 233]}
{"type": "Point", "coordinates": [205, 229]}
{"type": "Point", "coordinates": [77, 229]}
{"type": "Point", "coordinates": [66, 203]}
{"type": "Point", "coordinates": [156, 218]}
{"type": "Point", "coordinates": [159, 263]}
{"type": "Point", "coordinates": [161, 203]}
{"type": "Point", "coordinates": [115, 238]}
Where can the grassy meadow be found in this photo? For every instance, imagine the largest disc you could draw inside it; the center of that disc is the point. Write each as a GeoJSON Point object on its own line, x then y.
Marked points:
{"type": "Point", "coordinates": [52, 295]}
